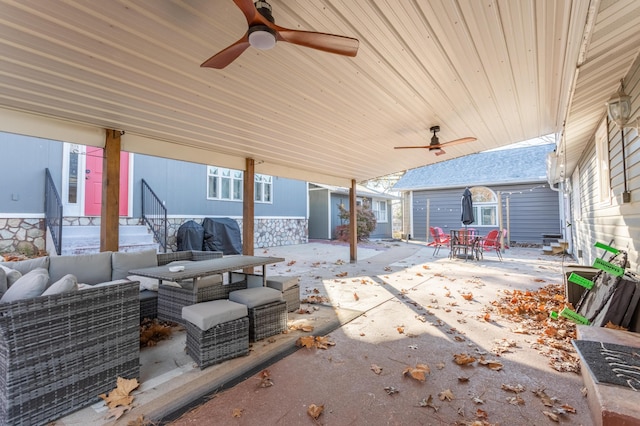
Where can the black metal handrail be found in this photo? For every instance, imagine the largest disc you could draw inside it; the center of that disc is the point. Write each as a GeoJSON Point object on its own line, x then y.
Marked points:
{"type": "Point", "coordinates": [53, 211]}
{"type": "Point", "coordinates": [154, 214]}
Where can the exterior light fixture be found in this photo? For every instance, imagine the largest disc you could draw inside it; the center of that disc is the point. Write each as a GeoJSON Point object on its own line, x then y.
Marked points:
{"type": "Point", "coordinates": [260, 36]}
{"type": "Point", "coordinates": [619, 108]}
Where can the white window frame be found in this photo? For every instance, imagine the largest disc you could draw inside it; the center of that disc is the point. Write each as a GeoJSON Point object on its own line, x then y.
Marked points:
{"type": "Point", "coordinates": [478, 206]}
{"type": "Point", "coordinates": [381, 213]}
{"type": "Point", "coordinates": [602, 164]}
{"type": "Point", "coordinates": [225, 180]}
{"type": "Point", "coordinates": [263, 189]}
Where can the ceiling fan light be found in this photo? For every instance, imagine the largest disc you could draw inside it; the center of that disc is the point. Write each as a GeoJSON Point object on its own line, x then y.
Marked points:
{"type": "Point", "coordinates": [262, 37]}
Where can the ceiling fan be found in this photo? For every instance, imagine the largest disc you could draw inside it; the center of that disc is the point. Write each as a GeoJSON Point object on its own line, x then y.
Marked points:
{"type": "Point", "coordinates": [263, 34]}
{"type": "Point", "coordinates": [435, 144]}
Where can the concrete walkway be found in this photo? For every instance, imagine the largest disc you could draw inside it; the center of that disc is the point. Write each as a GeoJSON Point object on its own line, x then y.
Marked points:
{"type": "Point", "coordinates": [410, 312]}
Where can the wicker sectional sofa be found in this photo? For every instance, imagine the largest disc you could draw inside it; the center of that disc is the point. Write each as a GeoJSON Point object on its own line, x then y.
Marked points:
{"type": "Point", "coordinates": [59, 352]}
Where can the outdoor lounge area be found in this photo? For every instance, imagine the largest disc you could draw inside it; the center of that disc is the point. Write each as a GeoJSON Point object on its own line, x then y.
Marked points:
{"type": "Point", "coordinates": [390, 278]}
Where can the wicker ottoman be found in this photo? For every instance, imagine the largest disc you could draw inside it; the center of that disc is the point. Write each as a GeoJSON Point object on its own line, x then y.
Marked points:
{"type": "Point", "coordinates": [290, 288]}
{"type": "Point", "coordinates": [216, 331]}
{"type": "Point", "coordinates": [267, 311]}
{"type": "Point", "coordinates": [172, 299]}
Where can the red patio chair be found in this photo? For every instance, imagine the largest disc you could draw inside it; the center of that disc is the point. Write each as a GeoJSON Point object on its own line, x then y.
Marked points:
{"type": "Point", "coordinates": [439, 239]}
{"type": "Point", "coordinates": [492, 242]}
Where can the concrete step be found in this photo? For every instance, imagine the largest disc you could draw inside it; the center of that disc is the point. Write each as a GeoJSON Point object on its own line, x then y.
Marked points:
{"type": "Point", "coordinates": [554, 248]}
{"type": "Point", "coordinates": [88, 249]}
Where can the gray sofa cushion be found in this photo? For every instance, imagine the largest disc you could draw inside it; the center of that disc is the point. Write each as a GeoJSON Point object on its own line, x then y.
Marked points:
{"type": "Point", "coordinates": [66, 284]}
{"type": "Point", "coordinates": [122, 263]}
{"type": "Point", "coordinates": [10, 275]}
{"type": "Point", "coordinates": [24, 266]}
{"type": "Point", "coordinates": [30, 285]}
{"type": "Point", "coordinates": [88, 268]}
{"type": "Point", "coordinates": [3, 281]}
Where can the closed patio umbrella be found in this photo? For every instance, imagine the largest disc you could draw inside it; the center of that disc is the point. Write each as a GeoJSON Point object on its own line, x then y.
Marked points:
{"type": "Point", "coordinates": [467, 208]}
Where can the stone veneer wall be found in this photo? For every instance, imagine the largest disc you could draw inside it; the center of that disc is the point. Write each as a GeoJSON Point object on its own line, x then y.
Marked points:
{"type": "Point", "coordinates": [267, 232]}
{"type": "Point", "coordinates": [28, 235]}
{"type": "Point", "coordinates": [22, 235]}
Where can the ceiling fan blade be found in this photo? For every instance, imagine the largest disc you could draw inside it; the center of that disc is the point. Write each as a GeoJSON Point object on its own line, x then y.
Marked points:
{"type": "Point", "coordinates": [228, 55]}
{"type": "Point", "coordinates": [331, 43]}
{"type": "Point", "coordinates": [248, 9]}
{"type": "Point", "coordinates": [453, 142]}
{"type": "Point", "coordinates": [411, 147]}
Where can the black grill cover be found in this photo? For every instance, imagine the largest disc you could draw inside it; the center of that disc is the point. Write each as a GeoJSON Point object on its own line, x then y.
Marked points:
{"type": "Point", "coordinates": [190, 236]}
{"type": "Point", "coordinates": [222, 234]}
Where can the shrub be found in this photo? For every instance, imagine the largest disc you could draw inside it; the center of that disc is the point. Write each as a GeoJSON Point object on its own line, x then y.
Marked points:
{"type": "Point", "coordinates": [365, 222]}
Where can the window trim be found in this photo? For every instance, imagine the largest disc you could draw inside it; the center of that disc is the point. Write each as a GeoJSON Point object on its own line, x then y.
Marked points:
{"type": "Point", "coordinates": [477, 206]}
{"type": "Point", "coordinates": [234, 176]}
{"type": "Point", "coordinates": [262, 181]}
{"type": "Point", "coordinates": [377, 212]}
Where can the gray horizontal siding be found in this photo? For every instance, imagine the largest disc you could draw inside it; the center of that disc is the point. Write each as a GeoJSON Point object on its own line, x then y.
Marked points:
{"type": "Point", "coordinates": [534, 210]}
{"type": "Point", "coordinates": [183, 187]}
{"type": "Point", "coordinates": [22, 175]}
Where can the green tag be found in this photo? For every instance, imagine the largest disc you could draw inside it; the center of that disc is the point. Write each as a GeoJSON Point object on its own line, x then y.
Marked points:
{"type": "Point", "coordinates": [606, 247]}
{"type": "Point", "coordinates": [577, 318]}
{"type": "Point", "coordinates": [575, 278]}
{"type": "Point", "coordinates": [608, 267]}
{"type": "Point", "coordinates": [553, 315]}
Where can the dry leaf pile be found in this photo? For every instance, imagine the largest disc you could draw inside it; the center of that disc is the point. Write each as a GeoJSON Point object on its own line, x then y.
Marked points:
{"type": "Point", "coordinates": [152, 331]}
{"type": "Point", "coordinates": [531, 310]}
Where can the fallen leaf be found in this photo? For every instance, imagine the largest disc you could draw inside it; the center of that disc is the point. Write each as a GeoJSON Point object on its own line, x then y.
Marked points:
{"type": "Point", "coordinates": [315, 410]}
{"type": "Point", "coordinates": [291, 263]}
{"type": "Point", "coordinates": [117, 412]}
{"type": "Point", "coordinates": [551, 416]}
{"type": "Point", "coordinates": [463, 359]}
{"type": "Point", "coordinates": [440, 365]}
{"type": "Point", "coordinates": [120, 395]}
{"type": "Point", "coordinates": [515, 400]}
{"type": "Point", "coordinates": [265, 379]}
{"type": "Point", "coordinates": [391, 390]}
{"type": "Point", "coordinates": [463, 379]}
{"type": "Point", "coordinates": [400, 329]}
{"type": "Point", "coordinates": [342, 274]}
{"type": "Point", "coordinates": [546, 400]}
{"type": "Point", "coordinates": [446, 395]}
{"type": "Point", "coordinates": [615, 326]}
{"type": "Point", "coordinates": [481, 414]}
{"type": "Point", "coordinates": [492, 364]}
{"type": "Point", "coordinates": [324, 342]}
{"type": "Point", "coordinates": [568, 408]}
{"type": "Point", "coordinates": [418, 372]}
{"type": "Point", "coordinates": [237, 412]}
{"type": "Point", "coordinates": [302, 327]}
{"type": "Point", "coordinates": [376, 369]}
{"type": "Point", "coordinates": [467, 296]}
{"type": "Point", "coordinates": [477, 400]}
{"type": "Point", "coordinates": [428, 402]}
{"type": "Point", "coordinates": [306, 341]}
{"type": "Point", "coordinates": [516, 389]}
{"type": "Point", "coordinates": [355, 296]}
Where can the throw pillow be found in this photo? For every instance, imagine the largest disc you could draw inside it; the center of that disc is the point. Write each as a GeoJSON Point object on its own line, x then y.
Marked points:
{"type": "Point", "coordinates": [3, 281]}
{"type": "Point", "coordinates": [66, 284]}
{"type": "Point", "coordinates": [27, 286]}
{"type": "Point", "coordinates": [146, 283]}
{"type": "Point", "coordinates": [123, 262]}
{"type": "Point", "coordinates": [12, 275]}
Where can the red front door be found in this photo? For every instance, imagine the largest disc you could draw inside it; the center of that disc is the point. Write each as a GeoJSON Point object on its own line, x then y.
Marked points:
{"type": "Point", "coordinates": [93, 182]}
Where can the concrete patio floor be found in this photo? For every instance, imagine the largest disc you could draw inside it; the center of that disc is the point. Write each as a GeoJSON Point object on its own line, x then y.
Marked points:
{"type": "Point", "coordinates": [397, 307]}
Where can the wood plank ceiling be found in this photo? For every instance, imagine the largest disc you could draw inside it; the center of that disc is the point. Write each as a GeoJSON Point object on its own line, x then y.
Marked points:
{"type": "Point", "coordinates": [499, 70]}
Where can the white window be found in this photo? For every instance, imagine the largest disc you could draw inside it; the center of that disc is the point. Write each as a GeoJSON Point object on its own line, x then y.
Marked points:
{"type": "Point", "coordinates": [485, 206]}
{"type": "Point", "coordinates": [263, 189]}
{"type": "Point", "coordinates": [380, 210]}
{"type": "Point", "coordinates": [227, 184]}
{"type": "Point", "coordinates": [224, 184]}
{"type": "Point", "coordinates": [602, 168]}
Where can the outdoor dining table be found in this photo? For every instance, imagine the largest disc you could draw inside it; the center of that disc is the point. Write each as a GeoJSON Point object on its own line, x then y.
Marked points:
{"type": "Point", "coordinates": [203, 268]}
{"type": "Point", "coordinates": [465, 242]}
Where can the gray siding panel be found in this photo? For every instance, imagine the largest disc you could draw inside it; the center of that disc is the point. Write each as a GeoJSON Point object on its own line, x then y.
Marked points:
{"type": "Point", "coordinates": [318, 214]}
{"type": "Point", "coordinates": [183, 187]}
{"type": "Point", "coordinates": [534, 210]}
{"type": "Point", "coordinates": [24, 160]}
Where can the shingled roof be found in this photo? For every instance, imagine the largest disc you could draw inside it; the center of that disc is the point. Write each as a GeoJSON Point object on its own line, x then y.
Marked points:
{"type": "Point", "coordinates": [517, 165]}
